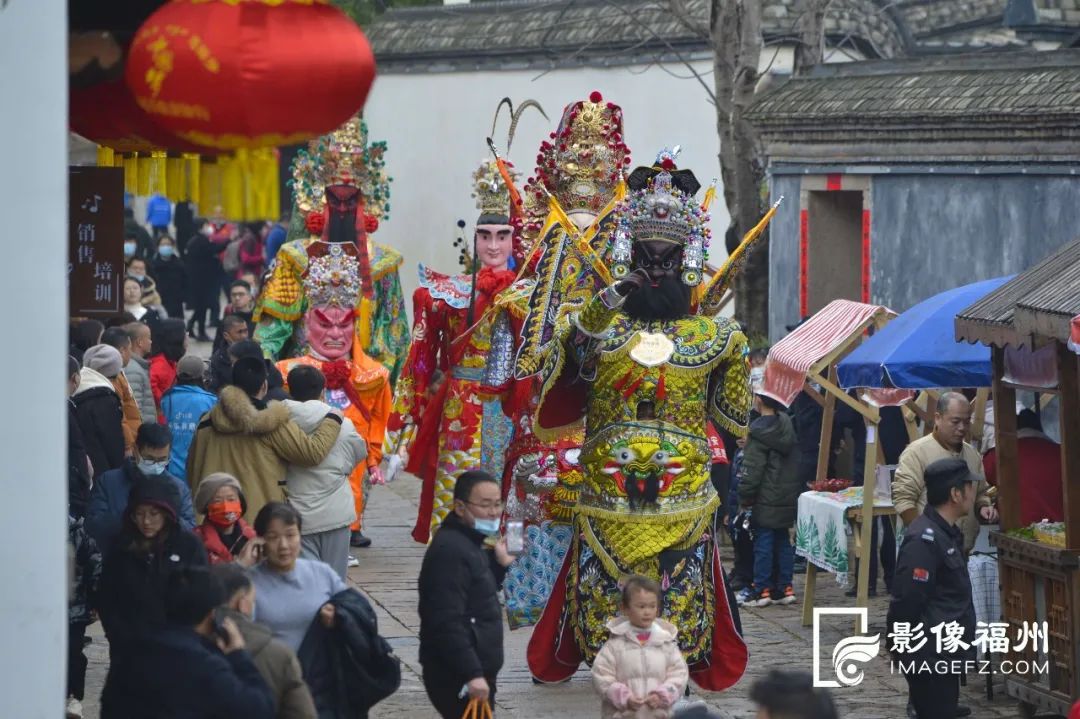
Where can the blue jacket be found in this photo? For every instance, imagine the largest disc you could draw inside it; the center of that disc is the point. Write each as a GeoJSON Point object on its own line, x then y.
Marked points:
{"type": "Point", "coordinates": [275, 238]}
{"type": "Point", "coordinates": [177, 673]}
{"type": "Point", "coordinates": [109, 501]}
{"type": "Point", "coordinates": [159, 211]}
{"type": "Point", "coordinates": [183, 406]}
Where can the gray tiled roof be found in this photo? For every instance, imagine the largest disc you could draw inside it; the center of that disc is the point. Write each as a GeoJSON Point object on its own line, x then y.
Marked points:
{"type": "Point", "coordinates": [1048, 310]}
{"type": "Point", "coordinates": [505, 30]}
{"type": "Point", "coordinates": [996, 318]}
{"type": "Point", "coordinates": [974, 90]}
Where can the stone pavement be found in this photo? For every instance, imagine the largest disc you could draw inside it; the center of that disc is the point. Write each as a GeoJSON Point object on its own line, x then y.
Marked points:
{"type": "Point", "coordinates": [388, 574]}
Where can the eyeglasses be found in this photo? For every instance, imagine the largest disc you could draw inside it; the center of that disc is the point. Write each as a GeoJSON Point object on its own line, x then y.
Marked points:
{"type": "Point", "coordinates": [487, 507]}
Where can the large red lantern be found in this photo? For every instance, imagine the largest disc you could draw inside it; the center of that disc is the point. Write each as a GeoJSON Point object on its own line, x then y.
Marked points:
{"type": "Point", "coordinates": [230, 74]}
{"type": "Point", "coordinates": [106, 113]}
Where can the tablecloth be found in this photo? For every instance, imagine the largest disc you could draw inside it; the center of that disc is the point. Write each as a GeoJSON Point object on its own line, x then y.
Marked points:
{"type": "Point", "coordinates": [821, 534]}
{"type": "Point", "coordinates": [985, 594]}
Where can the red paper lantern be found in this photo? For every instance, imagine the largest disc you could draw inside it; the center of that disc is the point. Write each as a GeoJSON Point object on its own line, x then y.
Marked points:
{"type": "Point", "coordinates": [106, 113]}
{"type": "Point", "coordinates": [232, 74]}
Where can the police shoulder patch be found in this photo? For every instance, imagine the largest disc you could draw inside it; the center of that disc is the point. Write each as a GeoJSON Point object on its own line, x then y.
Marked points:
{"type": "Point", "coordinates": [920, 575]}
{"type": "Point", "coordinates": [927, 536]}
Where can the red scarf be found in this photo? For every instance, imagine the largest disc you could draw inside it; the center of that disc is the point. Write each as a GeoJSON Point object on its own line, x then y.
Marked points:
{"type": "Point", "coordinates": [339, 376]}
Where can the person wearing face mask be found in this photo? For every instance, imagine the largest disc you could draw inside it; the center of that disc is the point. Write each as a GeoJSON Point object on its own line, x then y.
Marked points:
{"type": "Point", "coordinates": [171, 276]}
{"type": "Point", "coordinates": [137, 270]}
{"type": "Point", "coordinates": [111, 493]}
{"type": "Point", "coordinates": [461, 624]}
{"type": "Point", "coordinates": [224, 532]}
{"type": "Point", "coordinates": [134, 233]}
{"type": "Point", "coordinates": [150, 547]}
{"type": "Point", "coordinates": [276, 662]}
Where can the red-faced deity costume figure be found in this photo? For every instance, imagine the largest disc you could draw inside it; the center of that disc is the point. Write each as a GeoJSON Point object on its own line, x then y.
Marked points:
{"type": "Point", "coordinates": [646, 374]}
{"type": "Point", "coordinates": [441, 422]}
{"type": "Point", "coordinates": [567, 226]}
{"type": "Point", "coordinates": [328, 279]}
{"type": "Point", "coordinates": [342, 192]}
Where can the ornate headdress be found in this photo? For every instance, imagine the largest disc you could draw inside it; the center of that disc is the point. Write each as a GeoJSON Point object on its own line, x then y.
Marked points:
{"type": "Point", "coordinates": [489, 189]}
{"type": "Point", "coordinates": [344, 157]}
{"type": "Point", "coordinates": [333, 279]}
{"type": "Point", "coordinates": [583, 162]}
{"type": "Point", "coordinates": [661, 206]}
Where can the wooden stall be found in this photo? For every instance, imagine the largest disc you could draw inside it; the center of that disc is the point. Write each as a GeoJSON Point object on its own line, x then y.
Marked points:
{"type": "Point", "coordinates": [806, 360]}
{"type": "Point", "coordinates": [1026, 322]}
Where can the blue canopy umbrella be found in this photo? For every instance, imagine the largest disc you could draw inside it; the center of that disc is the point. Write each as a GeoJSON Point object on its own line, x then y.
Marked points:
{"type": "Point", "coordinates": [918, 349]}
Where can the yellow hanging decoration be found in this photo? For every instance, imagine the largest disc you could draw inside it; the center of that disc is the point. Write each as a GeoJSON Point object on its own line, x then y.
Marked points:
{"type": "Point", "coordinates": [190, 189]}
{"type": "Point", "coordinates": [174, 179]}
{"type": "Point", "coordinates": [131, 173]}
{"type": "Point", "coordinates": [156, 177]}
{"type": "Point", "coordinates": [105, 156]}
{"type": "Point", "coordinates": [210, 197]}
{"type": "Point", "coordinates": [232, 187]}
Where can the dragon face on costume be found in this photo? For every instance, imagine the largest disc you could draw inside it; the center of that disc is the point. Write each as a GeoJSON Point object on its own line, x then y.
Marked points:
{"type": "Point", "coordinates": [643, 469]}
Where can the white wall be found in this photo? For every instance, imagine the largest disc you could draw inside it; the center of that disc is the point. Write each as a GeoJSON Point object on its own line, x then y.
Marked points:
{"type": "Point", "coordinates": [33, 517]}
{"type": "Point", "coordinates": [435, 125]}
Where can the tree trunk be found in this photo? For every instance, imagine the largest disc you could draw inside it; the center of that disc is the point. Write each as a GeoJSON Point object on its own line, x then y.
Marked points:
{"type": "Point", "coordinates": [811, 26]}
{"type": "Point", "coordinates": [735, 33]}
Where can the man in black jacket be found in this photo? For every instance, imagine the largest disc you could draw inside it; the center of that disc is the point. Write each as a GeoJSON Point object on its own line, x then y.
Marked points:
{"type": "Point", "coordinates": [188, 668]}
{"type": "Point", "coordinates": [931, 587]}
{"type": "Point", "coordinates": [461, 635]}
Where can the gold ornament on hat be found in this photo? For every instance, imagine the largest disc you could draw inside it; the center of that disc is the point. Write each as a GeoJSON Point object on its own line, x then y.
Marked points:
{"type": "Point", "coordinates": [343, 157]}
{"type": "Point", "coordinates": [489, 189]}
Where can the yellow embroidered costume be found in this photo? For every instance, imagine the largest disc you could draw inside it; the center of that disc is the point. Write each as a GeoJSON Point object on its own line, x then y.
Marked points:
{"type": "Point", "coordinates": [568, 225]}
{"type": "Point", "coordinates": [646, 502]}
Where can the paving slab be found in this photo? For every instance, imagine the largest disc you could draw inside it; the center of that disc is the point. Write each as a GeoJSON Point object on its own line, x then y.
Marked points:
{"type": "Point", "coordinates": [388, 572]}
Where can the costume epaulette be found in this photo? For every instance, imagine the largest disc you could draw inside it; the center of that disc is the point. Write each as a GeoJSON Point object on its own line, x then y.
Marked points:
{"type": "Point", "coordinates": [384, 260]}
{"type": "Point", "coordinates": [283, 295]}
{"type": "Point", "coordinates": [454, 290]}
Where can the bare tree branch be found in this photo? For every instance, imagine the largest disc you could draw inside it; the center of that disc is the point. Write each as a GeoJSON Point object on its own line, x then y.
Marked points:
{"type": "Point", "coordinates": [652, 33]}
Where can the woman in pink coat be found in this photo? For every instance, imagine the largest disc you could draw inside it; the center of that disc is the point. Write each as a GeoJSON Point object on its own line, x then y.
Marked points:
{"type": "Point", "coordinates": [640, 672]}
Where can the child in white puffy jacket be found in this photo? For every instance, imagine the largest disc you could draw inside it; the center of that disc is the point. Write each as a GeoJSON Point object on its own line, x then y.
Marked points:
{"type": "Point", "coordinates": [640, 672]}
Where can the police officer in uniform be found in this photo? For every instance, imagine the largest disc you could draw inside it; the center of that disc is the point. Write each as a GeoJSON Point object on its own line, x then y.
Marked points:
{"type": "Point", "coordinates": [931, 586]}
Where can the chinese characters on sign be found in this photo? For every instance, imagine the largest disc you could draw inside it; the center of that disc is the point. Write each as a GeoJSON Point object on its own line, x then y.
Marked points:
{"type": "Point", "coordinates": [96, 240]}
{"type": "Point", "coordinates": [990, 638]}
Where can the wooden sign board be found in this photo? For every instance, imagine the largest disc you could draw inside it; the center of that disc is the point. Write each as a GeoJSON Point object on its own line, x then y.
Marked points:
{"type": "Point", "coordinates": [95, 240]}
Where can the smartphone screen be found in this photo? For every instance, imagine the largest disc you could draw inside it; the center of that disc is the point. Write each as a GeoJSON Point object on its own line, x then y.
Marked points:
{"type": "Point", "coordinates": [515, 537]}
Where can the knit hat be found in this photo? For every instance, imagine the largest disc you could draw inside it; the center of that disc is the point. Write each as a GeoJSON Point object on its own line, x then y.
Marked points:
{"type": "Point", "coordinates": [104, 359]}
{"type": "Point", "coordinates": [190, 367]}
{"type": "Point", "coordinates": [157, 491]}
{"type": "Point", "coordinates": [209, 486]}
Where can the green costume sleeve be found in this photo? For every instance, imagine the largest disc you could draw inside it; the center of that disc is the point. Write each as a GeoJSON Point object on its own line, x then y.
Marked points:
{"type": "Point", "coordinates": [272, 334]}
{"type": "Point", "coordinates": [389, 325]}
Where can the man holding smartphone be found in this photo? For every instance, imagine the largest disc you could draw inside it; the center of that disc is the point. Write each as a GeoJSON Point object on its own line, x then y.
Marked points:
{"type": "Point", "coordinates": [461, 633]}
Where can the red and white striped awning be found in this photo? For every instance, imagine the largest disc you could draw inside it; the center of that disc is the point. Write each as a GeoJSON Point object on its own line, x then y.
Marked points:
{"type": "Point", "coordinates": [792, 357]}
